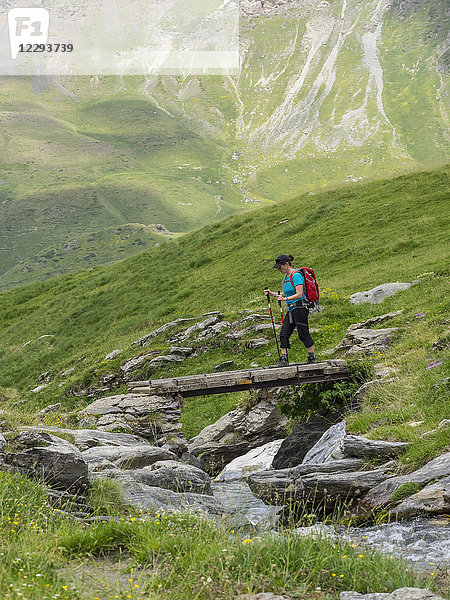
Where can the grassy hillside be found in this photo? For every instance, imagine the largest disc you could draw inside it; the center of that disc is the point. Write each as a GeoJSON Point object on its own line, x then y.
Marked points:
{"type": "Point", "coordinates": [354, 238]}
{"type": "Point", "coordinates": [347, 92]}
{"type": "Point", "coordinates": [85, 252]}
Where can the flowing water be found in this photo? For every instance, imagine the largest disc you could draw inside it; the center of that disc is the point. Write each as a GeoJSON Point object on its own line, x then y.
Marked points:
{"type": "Point", "coordinates": [423, 543]}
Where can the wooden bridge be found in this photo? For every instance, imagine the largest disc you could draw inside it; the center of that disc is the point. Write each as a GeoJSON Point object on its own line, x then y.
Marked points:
{"type": "Point", "coordinates": [247, 379]}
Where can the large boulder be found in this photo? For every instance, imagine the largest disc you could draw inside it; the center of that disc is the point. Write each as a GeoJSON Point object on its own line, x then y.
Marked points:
{"type": "Point", "coordinates": [59, 466]}
{"type": "Point", "coordinates": [379, 293]}
{"type": "Point", "coordinates": [89, 438]}
{"type": "Point", "coordinates": [436, 469]}
{"type": "Point", "coordinates": [345, 485]}
{"type": "Point", "coordinates": [328, 447]}
{"type": "Point", "coordinates": [294, 448]}
{"type": "Point", "coordinates": [284, 486]}
{"type": "Point", "coordinates": [176, 476]}
{"type": "Point", "coordinates": [258, 459]}
{"type": "Point", "coordinates": [125, 457]}
{"type": "Point", "coordinates": [147, 497]}
{"type": "Point", "coordinates": [355, 445]}
{"type": "Point", "coordinates": [148, 416]}
{"type": "Point", "coordinates": [239, 431]}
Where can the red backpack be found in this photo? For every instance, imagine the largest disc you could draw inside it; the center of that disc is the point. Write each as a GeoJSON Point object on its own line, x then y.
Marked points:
{"type": "Point", "coordinates": [311, 290]}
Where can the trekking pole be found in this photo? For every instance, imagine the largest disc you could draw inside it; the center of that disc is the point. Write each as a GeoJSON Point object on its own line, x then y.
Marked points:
{"type": "Point", "coordinates": [282, 320]}
{"type": "Point", "coordinates": [273, 323]}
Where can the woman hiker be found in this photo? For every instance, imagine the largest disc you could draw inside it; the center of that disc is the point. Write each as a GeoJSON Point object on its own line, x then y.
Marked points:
{"type": "Point", "coordinates": [297, 314]}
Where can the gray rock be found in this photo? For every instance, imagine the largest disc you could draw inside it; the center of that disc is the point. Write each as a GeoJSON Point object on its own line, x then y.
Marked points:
{"type": "Point", "coordinates": [88, 438]}
{"type": "Point", "coordinates": [59, 466]}
{"type": "Point", "coordinates": [153, 498]}
{"type": "Point", "coordinates": [213, 330]}
{"type": "Point", "coordinates": [257, 343]}
{"type": "Point", "coordinates": [146, 415]}
{"type": "Point", "coordinates": [134, 363]}
{"type": "Point", "coordinates": [50, 408]}
{"type": "Point", "coordinates": [380, 495]}
{"type": "Point", "coordinates": [355, 445]}
{"type": "Point", "coordinates": [44, 377]}
{"type": "Point", "coordinates": [197, 327]}
{"type": "Point", "coordinates": [39, 388]}
{"type": "Point", "coordinates": [237, 432]}
{"type": "Point", "coordinates": [2, 442]}
{"type": "Point", "coordinates": [180, 351]}
{"type": "Point", "coordinates": [444, 424]}
{"type": "Point", "coordinates": [375, 320]}
{"type": "Point", "coordinates": [256, 460]}
{"type": "Point", "coordinates": [379, 293]}
{"type": "Point", "coordinates": [406, 593]}
{"type": "Point", "coordinates": [160, 361]}
{"type": "Point", "coordinates": [328, 447]}
{"type": "Point", "coordinates": [365, 341]}
{"type": "Point", "coordinates": [175, 476]}
{"type": "Point", "coordinates": [125, 457]}
{"type": "Point", "coordinates": [284, 486]}
{"type": "Point", "coordinates": [294, 448]}
{"type": "Point", "coordinates": [262, 596]}
{"type": "Point", "coordinates": [143, 341]}
{"type": "Point", "coordinates": [112, 354]}
{"type": "Point", "coordinates": [432, 500]}
{"type": "Point", "coordinates": [66, 372]}
{"type": "Point", "coordinates": [346, 485]}
{"type": "Point", "coordinates": [224, 366]}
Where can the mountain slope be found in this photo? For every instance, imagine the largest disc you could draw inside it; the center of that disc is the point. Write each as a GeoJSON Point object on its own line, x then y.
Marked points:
{"type": "Point", "coordinates": [354, 238]}
{"type": "Point", "coordinates": [328, 93]}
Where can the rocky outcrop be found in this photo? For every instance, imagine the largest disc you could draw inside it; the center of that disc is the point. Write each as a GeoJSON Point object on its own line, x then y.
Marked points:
{"type": "Point", "coordinates": [140, 414]}
{"type": "Point", "coordinates": [365, 341]}
{"type": "Point", "coordinates": [285, 486]}
{"type": "Point", "coordinates": [237, 432]}
{"type": "Point", "coordinates": [436, 469]}
{"type": "Point", "coordinates": [354, 445]}
{"type": "Point", "coordinates": [432, 500]}
{"type": "Point", "coordinates": [148, 497]}
{"type": "Point", "coordinates": [379, 293]}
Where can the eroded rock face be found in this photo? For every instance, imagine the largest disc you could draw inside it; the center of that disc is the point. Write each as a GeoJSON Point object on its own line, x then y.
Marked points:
{"type": "Point", "coordinates": [365, 341]}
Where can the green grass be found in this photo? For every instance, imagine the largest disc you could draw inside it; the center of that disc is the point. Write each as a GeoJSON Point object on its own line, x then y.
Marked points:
{"type": "Point", "coordinates": [175, 557]}
{"type": "Point", "coordinates": [225, 267]}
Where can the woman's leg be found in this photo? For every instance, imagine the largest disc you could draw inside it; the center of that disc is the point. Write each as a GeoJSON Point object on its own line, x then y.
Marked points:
{"type": "Point", "coordinates": [285, 334]}
{"type": "Point", "coordinates": [301, 322]}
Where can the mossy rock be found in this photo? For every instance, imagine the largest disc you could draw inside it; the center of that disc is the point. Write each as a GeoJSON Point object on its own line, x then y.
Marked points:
{"type": "Point", "coordinates": [405, 490]}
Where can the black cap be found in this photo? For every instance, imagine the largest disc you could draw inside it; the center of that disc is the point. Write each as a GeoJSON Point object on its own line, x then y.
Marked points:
{"type": "Point", "coordinates": [281, 260]}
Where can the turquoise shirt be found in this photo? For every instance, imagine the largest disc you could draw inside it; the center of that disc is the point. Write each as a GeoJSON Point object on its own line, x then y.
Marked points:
{"type": "Point", "coordinates": [289, 290]}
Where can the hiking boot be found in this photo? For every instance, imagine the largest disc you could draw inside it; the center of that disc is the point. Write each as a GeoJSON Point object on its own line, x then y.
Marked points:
{"type": "Point", "coordinates": [283, 362]}
{"type": "Point", "coordinates": [311, 359]}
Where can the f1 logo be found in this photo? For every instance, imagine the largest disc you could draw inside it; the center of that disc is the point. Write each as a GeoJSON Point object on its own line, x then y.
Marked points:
{"type": "Point", "coordinates": [27, 26]}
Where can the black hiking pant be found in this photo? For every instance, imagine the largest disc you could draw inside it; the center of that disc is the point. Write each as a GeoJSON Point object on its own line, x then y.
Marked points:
{"type": "Point", "coordinates": [298, 318]}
